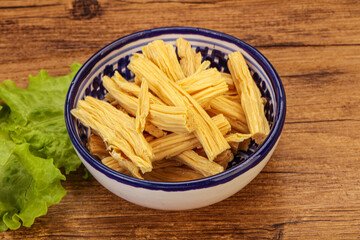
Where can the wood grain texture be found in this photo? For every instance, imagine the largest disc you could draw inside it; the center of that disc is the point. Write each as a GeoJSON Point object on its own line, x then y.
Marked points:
{"type": "Point", "coordinates": [310, 189]}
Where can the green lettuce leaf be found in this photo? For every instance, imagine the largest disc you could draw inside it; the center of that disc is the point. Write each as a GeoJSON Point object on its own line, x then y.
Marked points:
{"type": "Point", "coordinates": [28, 186]}
{"type": "Point", "coordinates": [37, 117]}
{"type": "Point", "coordinates": [34, 144]}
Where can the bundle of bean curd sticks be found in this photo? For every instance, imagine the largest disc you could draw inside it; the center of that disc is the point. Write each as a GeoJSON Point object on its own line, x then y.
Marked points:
{"type": "Point", "coordinates": [177, 120]}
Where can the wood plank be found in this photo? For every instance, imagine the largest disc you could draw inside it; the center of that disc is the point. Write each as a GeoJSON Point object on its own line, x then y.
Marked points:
{"type": "Point", "coordinates": [310, 189]}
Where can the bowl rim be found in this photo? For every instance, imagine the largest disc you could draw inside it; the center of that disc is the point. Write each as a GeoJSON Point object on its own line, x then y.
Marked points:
{"type": "Point", "coordinates": [214, 180]}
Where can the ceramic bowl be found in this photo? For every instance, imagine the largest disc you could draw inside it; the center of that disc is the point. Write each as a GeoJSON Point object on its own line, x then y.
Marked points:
{"type": "Point", "coordinates": [214, 46]}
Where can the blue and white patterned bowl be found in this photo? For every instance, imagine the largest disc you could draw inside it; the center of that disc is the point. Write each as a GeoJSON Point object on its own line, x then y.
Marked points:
{"type": "Point", "coordinates": [214, 46]}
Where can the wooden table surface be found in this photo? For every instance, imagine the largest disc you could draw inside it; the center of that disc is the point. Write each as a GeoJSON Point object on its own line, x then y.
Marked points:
{"type": "Point", "coordinates": [310, 189]}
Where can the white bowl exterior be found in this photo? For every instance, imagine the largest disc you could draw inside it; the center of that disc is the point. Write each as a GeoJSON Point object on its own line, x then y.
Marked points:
{"type": "Point", "coordinates": [179, 200]}
{"type": "Point", "coordinates": [175, 200]}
